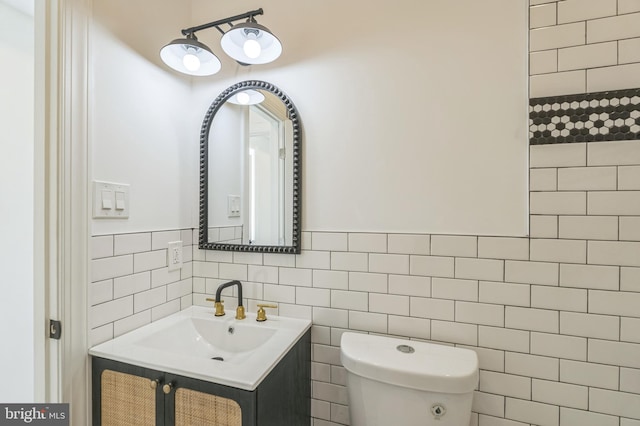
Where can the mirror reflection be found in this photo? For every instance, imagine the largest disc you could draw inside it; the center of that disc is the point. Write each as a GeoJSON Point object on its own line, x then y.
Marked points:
{"type": "Point", "coordinates": [250, 164]}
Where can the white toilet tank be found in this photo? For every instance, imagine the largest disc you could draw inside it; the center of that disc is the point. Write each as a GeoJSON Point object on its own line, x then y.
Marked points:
{"type": "Point", "coordinates": [400, 382]}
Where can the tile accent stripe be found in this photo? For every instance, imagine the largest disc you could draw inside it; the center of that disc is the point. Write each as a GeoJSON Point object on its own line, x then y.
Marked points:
{"type": "Point", "coordinates": [601, 116]}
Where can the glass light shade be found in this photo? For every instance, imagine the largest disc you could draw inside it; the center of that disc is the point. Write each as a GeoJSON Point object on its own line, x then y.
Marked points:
{"type": "Point", "coordinates": [247, 97]}
{"type": "Point", "coordinates": [233, 43]}
{"type": "Point", "coordinates": [173, 54]}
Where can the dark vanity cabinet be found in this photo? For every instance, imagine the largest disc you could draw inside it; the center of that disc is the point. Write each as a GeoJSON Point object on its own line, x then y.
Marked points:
{"type": "Point", "coordinates": [129, 395]}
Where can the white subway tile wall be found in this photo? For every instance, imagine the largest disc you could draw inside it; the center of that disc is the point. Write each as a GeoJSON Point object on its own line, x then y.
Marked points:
{"type": "Point", "coordinates": [131, 284]}
{"type": "Point", "coordinates": [582, 46]}
{"type": "Point", "coordinates": [554, 318]}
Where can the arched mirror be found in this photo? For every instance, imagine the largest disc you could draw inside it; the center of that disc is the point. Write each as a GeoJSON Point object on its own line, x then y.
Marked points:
{"type": "Point", "coordinates": [250, 181]}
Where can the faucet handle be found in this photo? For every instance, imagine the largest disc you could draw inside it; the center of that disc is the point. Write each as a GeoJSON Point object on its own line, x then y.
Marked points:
{"type": "Point", "coordinates": [219, 306]}
{"type": "Point", "coordinates": [261, 315]}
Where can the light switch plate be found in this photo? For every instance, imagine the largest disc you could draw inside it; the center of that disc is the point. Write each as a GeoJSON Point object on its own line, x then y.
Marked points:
{"type": "Point", "coordinates": [110, 200]}
{"type": "Point", "coordinates": [233, 205]}
{"type": "Point", "coordinates": [174, 255]}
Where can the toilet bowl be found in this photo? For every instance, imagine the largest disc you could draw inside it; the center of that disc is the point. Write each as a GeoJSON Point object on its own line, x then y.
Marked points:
{"type": "Point", "coordinates": [393, 381]}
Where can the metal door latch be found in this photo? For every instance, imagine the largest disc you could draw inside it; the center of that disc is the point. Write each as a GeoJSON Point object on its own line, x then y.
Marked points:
{"type": "Point", "coordinates": [55, 329]}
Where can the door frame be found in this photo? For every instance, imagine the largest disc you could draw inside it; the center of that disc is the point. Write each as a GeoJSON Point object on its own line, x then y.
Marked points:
{"type": "Point", "coordinates": [62, 203]}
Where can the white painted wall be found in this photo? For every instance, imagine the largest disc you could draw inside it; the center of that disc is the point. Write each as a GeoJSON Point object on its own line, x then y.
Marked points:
{"type": "Point", "coordinates": [139, 133]}
{"type": "Point", "coordinates": [16, 207]}
{"type": "Point", "coordinates": [401, 104]}
{"type": "Point", "coordinates": [414, 112]}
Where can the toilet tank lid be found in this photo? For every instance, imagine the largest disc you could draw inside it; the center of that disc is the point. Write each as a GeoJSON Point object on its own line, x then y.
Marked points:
{"type": "Point", "coordinates": [430, 367]}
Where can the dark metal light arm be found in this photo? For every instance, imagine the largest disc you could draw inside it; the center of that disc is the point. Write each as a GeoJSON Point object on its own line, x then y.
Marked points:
{"type": "Point", "coordinates": [229, 20]}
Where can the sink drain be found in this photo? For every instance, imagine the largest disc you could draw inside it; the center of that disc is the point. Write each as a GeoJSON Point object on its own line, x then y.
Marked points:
{"type": "Point", "coordinates": [217, 358]}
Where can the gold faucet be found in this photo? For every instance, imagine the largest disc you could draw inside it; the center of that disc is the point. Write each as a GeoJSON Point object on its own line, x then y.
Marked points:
{"type": "Point", "coordinates": [261, 315]}
{"type": "Point", "coordinates": [219, 302]}
{"type": "Point", "coordinates": [240, 309]}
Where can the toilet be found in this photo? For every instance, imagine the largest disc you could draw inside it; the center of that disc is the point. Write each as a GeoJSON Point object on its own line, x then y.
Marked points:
{"type": "Point", "coordinates": [393, 381]}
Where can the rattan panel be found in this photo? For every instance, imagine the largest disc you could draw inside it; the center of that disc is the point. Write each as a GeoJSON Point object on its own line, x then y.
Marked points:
{"type": "Point", "coordinates": [127, 400]}
{"type": "Point", "coordinates": [200, 409]}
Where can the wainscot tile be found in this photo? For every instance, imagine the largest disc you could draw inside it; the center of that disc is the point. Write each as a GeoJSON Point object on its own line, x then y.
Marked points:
{"type": "Point", "coordinates": [582, 10]}
{"type": "Point", "coordinates": [589, 374]}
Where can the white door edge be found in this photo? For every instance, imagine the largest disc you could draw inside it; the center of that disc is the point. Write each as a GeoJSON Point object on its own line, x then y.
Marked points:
{"type": "Point", "coordinates": [62, 200]}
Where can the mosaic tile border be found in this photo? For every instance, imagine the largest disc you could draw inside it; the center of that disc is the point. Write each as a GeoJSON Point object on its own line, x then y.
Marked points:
{"type": "Point", "coordinates": [590, 117]}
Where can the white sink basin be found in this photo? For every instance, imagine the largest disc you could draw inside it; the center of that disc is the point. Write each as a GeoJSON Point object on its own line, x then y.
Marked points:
{"type": "Point", "coordinates": [210, 338]}
{"type": "Point", "coordinates": [195, 343]}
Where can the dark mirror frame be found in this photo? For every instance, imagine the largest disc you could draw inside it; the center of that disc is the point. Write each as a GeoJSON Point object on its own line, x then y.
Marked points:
{"type": "Point", "coordinates": [294, 248]}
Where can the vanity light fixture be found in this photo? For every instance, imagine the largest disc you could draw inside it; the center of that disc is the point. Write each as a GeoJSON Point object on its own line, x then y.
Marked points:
{"type": "Point", "coordinates": [247, 97]}
{"type": "Point", "coordinates": [248, 43]}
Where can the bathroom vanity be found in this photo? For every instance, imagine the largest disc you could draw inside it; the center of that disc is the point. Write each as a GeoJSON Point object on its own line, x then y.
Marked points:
{"type": "Point", "coordinates": [196, 369]}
